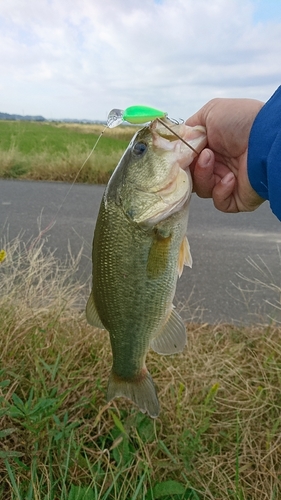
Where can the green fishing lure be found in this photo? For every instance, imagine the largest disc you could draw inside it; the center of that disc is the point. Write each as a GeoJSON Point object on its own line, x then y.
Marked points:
{"type": "Point", "coordinates": [133, 114]}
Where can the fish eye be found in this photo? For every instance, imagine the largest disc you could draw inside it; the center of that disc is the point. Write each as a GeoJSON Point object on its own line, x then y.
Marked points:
{"type": "Point", "coordinates": [139, 148]}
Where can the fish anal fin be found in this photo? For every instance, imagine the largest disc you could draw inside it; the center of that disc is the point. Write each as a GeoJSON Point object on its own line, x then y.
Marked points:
{"type": "Point", "coordinates": [92, 313]}
{"type": "Point", "coordinates": [185, 258]}
{"type": "Point", "coordinates": [140, 390]}
{"type": "Point", "coordinates": [171, 339]}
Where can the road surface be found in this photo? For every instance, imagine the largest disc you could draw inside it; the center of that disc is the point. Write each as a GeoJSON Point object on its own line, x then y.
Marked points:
{"type": "Point", "coordinates": [222, 246]}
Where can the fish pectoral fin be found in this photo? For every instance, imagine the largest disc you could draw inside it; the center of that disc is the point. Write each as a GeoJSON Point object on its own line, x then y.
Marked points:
{"type": "Point", "coordinates": [172, 337]}
{"type": "Point", "coordinates": [185, 258]}
{"type": "Point", "coordinates": [140, 389]}
{"type": "Point", "coordinates": [158, 255]}
{"type": "Point", "coordinates": [92, 313]}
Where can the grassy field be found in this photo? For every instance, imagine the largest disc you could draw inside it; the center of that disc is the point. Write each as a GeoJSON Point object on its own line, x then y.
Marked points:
{"type": "Point", "coordinates": [50, 151]}
{"type": "Point", "coordinates": [218, 434]}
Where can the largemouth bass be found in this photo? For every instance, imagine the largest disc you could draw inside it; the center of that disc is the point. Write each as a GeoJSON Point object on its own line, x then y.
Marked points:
{"type": "Point", "coordinates": [139, 250]}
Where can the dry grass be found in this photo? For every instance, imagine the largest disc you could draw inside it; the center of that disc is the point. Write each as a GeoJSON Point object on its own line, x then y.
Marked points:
{"type": "Point", "coordinates": [60, 167]}
{"type": "Point", "coordinates": [123, 132]}
{"type": "Point", "coordinates": [218, 435]}
{"type": "Point", "coordinates": [66, 166]}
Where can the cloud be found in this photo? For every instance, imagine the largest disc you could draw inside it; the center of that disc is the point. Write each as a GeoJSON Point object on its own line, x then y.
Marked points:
{"type": "Point", "coordinates": [61, 58]}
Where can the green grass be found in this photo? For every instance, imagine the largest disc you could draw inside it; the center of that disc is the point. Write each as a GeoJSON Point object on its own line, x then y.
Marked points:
{"type": "Point", "coordinates": [218, 434]}
{"type": "Point", "coordinates": [50, 151]}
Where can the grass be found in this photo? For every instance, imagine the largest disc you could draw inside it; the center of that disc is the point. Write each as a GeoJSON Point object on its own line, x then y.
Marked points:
{"type": "Point", "coordinates": [56, 151]}
{"type": "Point", "coordinates": [218, 435]}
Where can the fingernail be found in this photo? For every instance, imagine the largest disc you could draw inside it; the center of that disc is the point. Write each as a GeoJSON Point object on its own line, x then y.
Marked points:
{"type": "Point", "coordinates": [205, 158]}
{"type": "Point", "coordinates": [228, 178]}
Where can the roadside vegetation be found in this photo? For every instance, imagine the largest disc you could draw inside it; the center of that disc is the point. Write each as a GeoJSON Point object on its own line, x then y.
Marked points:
{"type": "Point", "coordinates": [218, 434]}
{"type": "Point", "coordinates": [57, 151]}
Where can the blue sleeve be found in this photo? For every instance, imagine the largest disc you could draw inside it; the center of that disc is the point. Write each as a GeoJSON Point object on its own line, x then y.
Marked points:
{"type": "Point", "coordinates": [264, 153]}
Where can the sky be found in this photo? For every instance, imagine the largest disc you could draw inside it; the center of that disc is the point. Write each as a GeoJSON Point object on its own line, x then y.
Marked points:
{"type": "Point", "coordinates": [70, 59]}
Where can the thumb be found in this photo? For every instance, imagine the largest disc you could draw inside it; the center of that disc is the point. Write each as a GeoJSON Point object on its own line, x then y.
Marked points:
{"type": "Point", "coordinates": [203, 174]}
{"type": "Point", "coordinates": [223, 194]}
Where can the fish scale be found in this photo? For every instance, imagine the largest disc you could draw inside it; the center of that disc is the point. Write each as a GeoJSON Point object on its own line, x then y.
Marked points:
{"type": "Point", "coordinates": [129, 303]}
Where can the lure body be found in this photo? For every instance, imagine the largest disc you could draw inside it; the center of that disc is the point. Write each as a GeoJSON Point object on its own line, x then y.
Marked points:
{"type": "Point", "coordinates": [134, 114]}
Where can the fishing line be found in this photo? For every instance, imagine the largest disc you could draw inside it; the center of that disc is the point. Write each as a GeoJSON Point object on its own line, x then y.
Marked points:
{"type": "Point", "coordinates": [133, 115]}
{"type": "Point", "coordinates": [142, 114]}
{"type": "Point", "coordinates": [178, 136]}
{"type": "Point", "coordinates": [53, 221]}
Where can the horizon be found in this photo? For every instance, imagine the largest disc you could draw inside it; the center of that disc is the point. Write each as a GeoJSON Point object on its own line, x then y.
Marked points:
{"type": "Point", "coordinates": [63, 59]}
{"type": "Point", "coordinates": [48, 118]}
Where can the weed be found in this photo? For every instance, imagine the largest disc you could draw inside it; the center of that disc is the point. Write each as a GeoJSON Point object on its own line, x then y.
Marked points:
{"type": "Point", "coordinates": [218, 435]}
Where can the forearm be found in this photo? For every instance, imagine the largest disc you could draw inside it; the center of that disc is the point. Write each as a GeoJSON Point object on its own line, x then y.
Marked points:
{"type": "Point", "coordinates": [264, 153]}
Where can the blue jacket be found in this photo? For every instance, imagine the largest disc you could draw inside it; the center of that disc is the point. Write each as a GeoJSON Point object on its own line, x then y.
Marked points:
{"type": "Point", "coordinates": [264, 153]}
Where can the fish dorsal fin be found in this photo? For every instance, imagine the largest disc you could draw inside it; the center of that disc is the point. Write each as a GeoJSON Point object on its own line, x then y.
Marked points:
{"type": "Point", "coordinates": [172, 337]}
{"type": "Point", "coordinates": [92, 313]}
{"type": "Point", "coordinates": [185, 258]}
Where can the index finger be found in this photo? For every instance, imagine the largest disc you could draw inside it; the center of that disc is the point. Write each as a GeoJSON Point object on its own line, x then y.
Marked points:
{"type": "Point", "coordinates": [197, 119]}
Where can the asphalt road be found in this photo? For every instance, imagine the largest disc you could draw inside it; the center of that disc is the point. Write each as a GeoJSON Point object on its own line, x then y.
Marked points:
{"type": "Point", "coordinates": [222, 246]}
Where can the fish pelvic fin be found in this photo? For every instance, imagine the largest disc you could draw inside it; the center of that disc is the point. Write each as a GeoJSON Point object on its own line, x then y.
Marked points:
{"type": "Point", "coordinates": [141, 390]}
{"type": "Point", "coordinates": [185, 258]}
{"type": "Point", "coordinates": [171, 338]}
{"type": "Point", "coordinates": [92, 313]}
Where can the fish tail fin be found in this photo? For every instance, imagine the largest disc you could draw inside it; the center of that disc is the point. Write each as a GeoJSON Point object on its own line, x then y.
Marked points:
{"type": "Point", "coordinates": [141, 390]}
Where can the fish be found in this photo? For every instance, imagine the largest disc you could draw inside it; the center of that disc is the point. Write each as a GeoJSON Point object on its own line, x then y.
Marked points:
{"type": "Point", "coordinates": [139, 250]}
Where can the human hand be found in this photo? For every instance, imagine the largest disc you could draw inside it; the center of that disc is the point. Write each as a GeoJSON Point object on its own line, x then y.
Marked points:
{"type": "Point", "coordinates": [220, 170]}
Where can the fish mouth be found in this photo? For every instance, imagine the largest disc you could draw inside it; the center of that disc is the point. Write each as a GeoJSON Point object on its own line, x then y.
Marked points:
{"type": "Point", "coordinates": [173, 192]}
{"type": "Point", "coordinates": [183, 143]}
{"type": "Point", "coordinates": [186, 142]}
{"type": "Point", "coordinates": [170, 203]}
{"type": "Point", "coordinates": [172, 197]}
